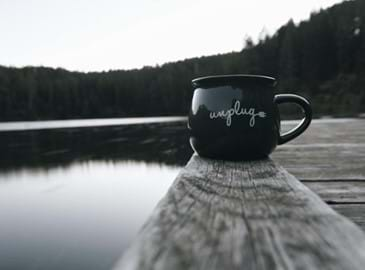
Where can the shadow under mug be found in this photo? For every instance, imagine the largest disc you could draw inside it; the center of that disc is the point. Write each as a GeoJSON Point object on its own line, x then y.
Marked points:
{"type": "Point", "coordinates": [236, 117]}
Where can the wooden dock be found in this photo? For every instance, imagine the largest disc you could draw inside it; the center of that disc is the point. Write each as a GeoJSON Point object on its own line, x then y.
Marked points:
{"type": "Point", "coordinates": [257, 215]}
{"type": "Point", "coordinates": [329, 158]}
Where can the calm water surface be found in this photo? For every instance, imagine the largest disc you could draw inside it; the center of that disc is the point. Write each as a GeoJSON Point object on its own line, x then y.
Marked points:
{"type": "Point", "coordinates": [75, 198]}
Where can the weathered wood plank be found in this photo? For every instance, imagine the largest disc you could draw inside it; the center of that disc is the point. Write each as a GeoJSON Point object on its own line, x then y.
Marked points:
{"type": "Point", "coordinates": [333, 149]}
{"type": "Point", "coordinates": [346, 197]}
{"type": "Point", "coordinates": [323, 161]}
{"type": "Point", "coordinates": [335, 131]}
{"type": "Point", "coordinates": [244, 215]}
{"type": "Point", "coordinates": [339, 191]}
{"type": "Point", "coordinates": [355, 212]}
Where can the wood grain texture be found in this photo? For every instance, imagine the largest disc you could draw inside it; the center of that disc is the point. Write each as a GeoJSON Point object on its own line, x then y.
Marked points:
{"type": "Point", "coordinates": [323, 161]}
{"type": "Point", "coordinates": [328, 149]}
{"type": "Point", "coordinates": [339, 191]}
{"type": "Point", "coordinates": [355, 212]}
{"type": "Point", "coordinates": [345, 196]}
{"type": "Point", "coordinates": [244, 215]}
{"type": "Point", "coordinates": [329, 158]}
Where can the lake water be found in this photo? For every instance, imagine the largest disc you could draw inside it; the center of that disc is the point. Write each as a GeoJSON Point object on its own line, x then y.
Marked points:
{"type": "Point", "coordinates": [74, 198]}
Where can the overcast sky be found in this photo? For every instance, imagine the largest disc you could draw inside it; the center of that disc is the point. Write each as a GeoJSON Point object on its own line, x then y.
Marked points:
{"type": "Point", "coordinates": [96, 35]}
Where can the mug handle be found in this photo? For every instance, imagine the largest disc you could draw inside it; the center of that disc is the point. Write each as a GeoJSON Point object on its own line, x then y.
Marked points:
{"type": "Point", "coordinates": [302, 126]}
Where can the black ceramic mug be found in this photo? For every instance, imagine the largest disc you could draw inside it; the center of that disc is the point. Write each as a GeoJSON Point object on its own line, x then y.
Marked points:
{"type": "Point", "coordinates": [236, 117]}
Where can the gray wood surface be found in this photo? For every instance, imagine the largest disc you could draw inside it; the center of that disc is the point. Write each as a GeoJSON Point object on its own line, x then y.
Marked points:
{"type": "Point", "coordinates": [330, 159]}
{"type": "Point", "coordinates": [339, 191]}
{"type": "Point", "coordinates": [332, 149]}
{"type": "Point", "coordinates": [244, 215]}
{"type": "Point", "coordinates": [355, 212]}
{"type": "Point", "coordinates": [323, 161]}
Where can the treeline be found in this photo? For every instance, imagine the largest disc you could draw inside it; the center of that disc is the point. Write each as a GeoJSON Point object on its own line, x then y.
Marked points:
{"type": "Point", "coordinates": [322, 58]}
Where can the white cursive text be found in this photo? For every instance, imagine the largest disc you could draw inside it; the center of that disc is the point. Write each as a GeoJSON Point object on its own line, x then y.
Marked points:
{"type": "Point", "coordinates": [237, 110]}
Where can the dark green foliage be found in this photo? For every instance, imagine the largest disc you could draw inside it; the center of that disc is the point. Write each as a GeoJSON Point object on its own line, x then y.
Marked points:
{"type": "Point", "coordinates": [322, 58]}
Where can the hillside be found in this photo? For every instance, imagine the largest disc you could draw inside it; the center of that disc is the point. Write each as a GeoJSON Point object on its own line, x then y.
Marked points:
{"type": "Point", "coordinates": [322, 58]}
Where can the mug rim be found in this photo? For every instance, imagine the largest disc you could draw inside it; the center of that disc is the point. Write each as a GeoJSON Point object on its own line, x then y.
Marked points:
{"type": "Point", "coordinates": [219, 79]}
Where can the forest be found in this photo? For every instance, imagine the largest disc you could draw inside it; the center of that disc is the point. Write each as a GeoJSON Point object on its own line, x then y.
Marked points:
{"type": "Point", "coordinates": [322, 58]}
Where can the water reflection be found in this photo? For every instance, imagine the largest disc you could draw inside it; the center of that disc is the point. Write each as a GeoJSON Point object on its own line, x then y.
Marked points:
{"type": "Point", "coordinates": [162, 143]}
{"type": "Point", "coordinates": [75, 198]}
{"type": "Point", "coordinates": [79, 217]}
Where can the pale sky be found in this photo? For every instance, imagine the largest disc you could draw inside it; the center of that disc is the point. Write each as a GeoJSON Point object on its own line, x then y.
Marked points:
{"type": "Point", "coordinates": [96, 35]}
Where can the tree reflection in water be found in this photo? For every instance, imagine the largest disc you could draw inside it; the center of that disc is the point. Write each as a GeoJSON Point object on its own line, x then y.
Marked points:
{"type": "Point", "coordinates": [165, 143]}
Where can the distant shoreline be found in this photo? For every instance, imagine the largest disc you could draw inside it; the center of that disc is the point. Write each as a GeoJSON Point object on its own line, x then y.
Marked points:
{"type": "Point", "coordinates": [103, 122]}
{"type": "Point", "coordinates": [78, 123]}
